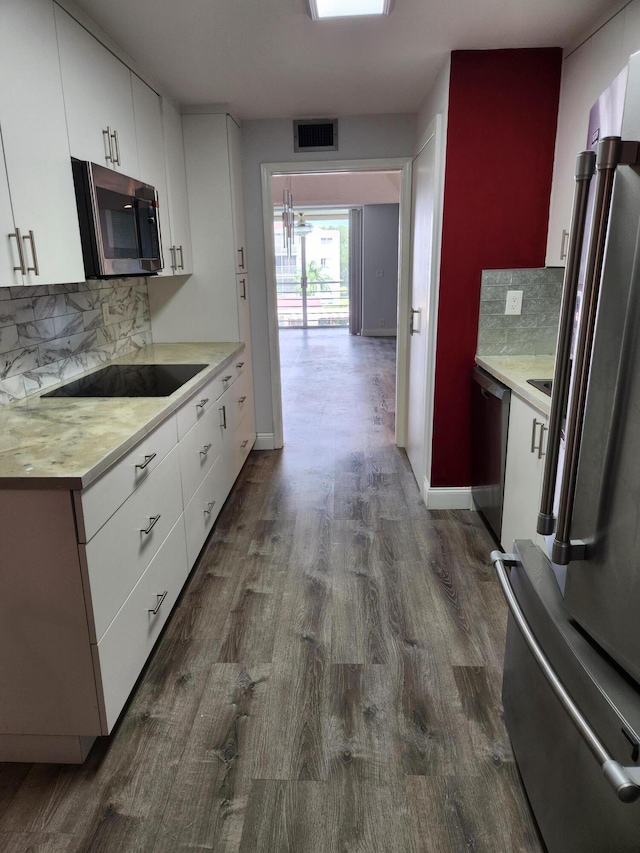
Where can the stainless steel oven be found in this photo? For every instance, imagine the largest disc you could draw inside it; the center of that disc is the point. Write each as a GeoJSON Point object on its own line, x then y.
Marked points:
{"type": "Point", "coordinates": [119, 224]}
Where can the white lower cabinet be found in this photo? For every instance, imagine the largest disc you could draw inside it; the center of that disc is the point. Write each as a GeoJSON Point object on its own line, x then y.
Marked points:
{"type": "Point", "coordinates": [121, 550]}
{"type": "Point", "coordinates": [204, 507]}
{"type": "Point", "coordinates": [85, 598]}
{"type": "Point", "coordinates": [127, 643]}
{"type": "Point", "coordinates": [526, 448]}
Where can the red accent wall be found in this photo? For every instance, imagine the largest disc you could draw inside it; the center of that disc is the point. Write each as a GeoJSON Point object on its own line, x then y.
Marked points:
{"type": "Point", "coordinates": [503, 107]}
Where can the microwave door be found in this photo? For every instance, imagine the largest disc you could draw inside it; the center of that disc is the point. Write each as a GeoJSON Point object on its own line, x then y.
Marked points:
{"type": "Point", "coordinates": [119, 239]}
{"type": "Point", "coordinates": [149, 249]}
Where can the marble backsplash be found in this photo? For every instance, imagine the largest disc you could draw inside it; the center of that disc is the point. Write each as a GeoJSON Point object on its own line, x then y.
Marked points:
{"type": "Point", "coordinates": [51, 333]}
{"type": "Point", "coordinates": [534, 331]}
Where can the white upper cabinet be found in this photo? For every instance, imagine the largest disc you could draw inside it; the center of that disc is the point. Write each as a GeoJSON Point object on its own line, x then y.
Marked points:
{"type": "Point", "coordinates": [148, 115]}
{"type": "Point", "coordinates": [46, 245]}
{"type": "Point", "coordinates": [237, 194]}
{"type": "Point", "coordinates": [98, 99]}
{"type": "Point", "coordinates": [178, 256]}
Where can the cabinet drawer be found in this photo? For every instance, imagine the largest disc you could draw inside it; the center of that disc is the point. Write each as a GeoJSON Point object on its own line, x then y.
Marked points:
{"type": "Point", "coordinates": [199, 450]}
{"type": "Point", "coordinates": [101, 499]}
{"type": "Point", "coordinates": [123, 650]}
{"type": "Point", "coordinates": [204, 507]}
{"type": "Point", "coordinates": [195, 408]}
{"type": "Point", "coordinates": [118, 554]}
{"type": "Point", "coordinates": [240, 400]}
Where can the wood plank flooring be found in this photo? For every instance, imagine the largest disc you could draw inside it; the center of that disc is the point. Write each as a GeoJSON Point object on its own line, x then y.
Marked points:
{"type": "Point", "coordinates": [330, 679]}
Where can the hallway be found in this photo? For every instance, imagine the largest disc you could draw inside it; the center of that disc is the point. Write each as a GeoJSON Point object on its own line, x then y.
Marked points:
{"type": "Point", "coordinates": [330, 679]}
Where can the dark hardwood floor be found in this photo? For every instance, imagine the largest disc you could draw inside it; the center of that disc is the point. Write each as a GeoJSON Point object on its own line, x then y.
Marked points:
{"type": "Point", "coordinates": [330, 679]}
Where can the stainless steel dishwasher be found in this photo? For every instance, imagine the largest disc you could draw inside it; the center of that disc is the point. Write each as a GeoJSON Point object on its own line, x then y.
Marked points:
{"type": "Point", "coordinates": [490, 401]}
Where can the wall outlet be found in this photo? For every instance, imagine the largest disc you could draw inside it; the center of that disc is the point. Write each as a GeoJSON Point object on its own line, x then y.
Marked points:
{"type": "Point", "coordinates": [514, 302]}
{"type": "Point", "coordinates": [381, 322]}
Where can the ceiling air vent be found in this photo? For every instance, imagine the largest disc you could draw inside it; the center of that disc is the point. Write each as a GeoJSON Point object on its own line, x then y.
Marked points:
{"type": "Point", "coordinates": [315, 135]}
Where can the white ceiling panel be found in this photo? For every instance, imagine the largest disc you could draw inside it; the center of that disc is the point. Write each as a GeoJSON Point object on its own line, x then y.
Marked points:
{"type": "Point", "coordinates": [268, 59]}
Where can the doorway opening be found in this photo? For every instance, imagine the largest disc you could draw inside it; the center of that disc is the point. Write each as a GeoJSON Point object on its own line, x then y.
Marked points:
{"type": "Point", "coordinates": [332, 290]}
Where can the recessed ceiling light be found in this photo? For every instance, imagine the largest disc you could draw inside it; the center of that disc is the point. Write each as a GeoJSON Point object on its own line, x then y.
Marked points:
{"type": "Point", "coordinates": [321, 9]}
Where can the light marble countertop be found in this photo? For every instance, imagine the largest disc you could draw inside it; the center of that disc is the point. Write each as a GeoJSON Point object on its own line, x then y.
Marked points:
{"type": "Point", "coordinates": [514, 370]}
{"type": "Point", "coordinates": [68, 442]}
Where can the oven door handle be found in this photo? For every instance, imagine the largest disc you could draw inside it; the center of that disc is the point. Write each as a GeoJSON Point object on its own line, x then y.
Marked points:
{"type": "Point", "coordinates": [625, 781]}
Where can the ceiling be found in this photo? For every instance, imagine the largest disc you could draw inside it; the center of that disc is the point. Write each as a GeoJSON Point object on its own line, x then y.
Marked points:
{"type": "Point", "coordinates": [268, 59]}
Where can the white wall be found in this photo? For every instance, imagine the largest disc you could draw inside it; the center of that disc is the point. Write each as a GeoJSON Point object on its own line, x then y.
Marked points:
{"type": "Point", "coordinates": [587, 70]}
{"type": "Point", "coordinates": [271, 141]}
{"type": "Point", "coordinates": [436, 102]}
{"type": "Point", "coordinates": [380, 269]}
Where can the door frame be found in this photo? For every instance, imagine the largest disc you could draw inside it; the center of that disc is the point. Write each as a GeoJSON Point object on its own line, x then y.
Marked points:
{"type": "Point", "coordinates": [387, 164]}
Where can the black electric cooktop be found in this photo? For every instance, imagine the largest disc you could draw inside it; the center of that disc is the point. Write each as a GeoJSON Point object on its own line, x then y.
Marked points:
{"type": "Point", "coordinates": [130, 380]}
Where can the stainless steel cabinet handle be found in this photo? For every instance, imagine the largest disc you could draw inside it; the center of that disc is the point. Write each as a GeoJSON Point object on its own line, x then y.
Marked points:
{"type": "Point", "coordinates": [18, 238]}
{"type": "Point", "coordinates": [413, 328]}
{"type": "Point", "coordinates": [563, 244]}
{"type": "Point", "coordinates": [35, 268]}
{"type": "Point", "coordinates": [240, 365]}
{"type": "Point", "coordinates": [174, 265]}
{"type": "Point", "coordinates": [206, 448]}
{"type": "Point", "coordinates": [611, 152]}
{"type": "Point", "coordinates": [181, 264]}
{"type": "Point", "coordinates": [209, 507]}
{"type": "Point", "coordinates": [223, 410]}
{"type": "Point", "coordinates": [585, 168]}
{"type": "Point", "coordinates": [161, 598]}
{"type": "Point", "coordinates": [152, 523]}
{"type": "Point", "coordinates": [541, 452]}
{"type": "Point", "coordinates": [241, 253]}
{"type": "Point", "coordinates": [147, 459]}
{"type": "Point", "coordinates": [202, 403]}
{"type": "Point", "coordinates": [242, 399]}
{"type": "Point", "coordinates": [108, 145]}
{"type": "Point", "coordinates": [116, 159]}
{"type": "Point", "coordinates": [243, 282]}
{"type": "Point", "coordinates": [625, 781]}
{"type": "Point", "coordinates": [244, 443]}
{"type": "Point", "coordinates": [227, 378]}
{"type": "Point", "coordinates": [537, 448]}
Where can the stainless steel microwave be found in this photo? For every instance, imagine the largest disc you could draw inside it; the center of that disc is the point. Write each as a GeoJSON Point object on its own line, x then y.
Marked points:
{"type": "Point", "coordinates": [119, 225]}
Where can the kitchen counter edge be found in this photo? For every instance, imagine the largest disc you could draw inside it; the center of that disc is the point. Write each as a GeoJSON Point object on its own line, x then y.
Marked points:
{"type": "Point", "coordinates": [514, 371]}
{"type": "Point", "coordinates": [146, 414]}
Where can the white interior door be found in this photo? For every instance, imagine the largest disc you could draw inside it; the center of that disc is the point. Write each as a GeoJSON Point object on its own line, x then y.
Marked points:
{"type": "Point", "coordinates": [423, 210]}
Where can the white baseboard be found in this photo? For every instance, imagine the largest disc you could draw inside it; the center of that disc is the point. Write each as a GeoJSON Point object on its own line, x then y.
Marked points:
{"type": "Point", "coordinates": [379, 333]}
{"type": "Point", "coordinates": [447, 498]}
{"type": "Point", "coordinates": [264, 441]}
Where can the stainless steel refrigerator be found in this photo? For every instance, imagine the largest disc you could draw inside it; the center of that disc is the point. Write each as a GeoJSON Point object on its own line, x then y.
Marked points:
{"type": "Point", "coordinates": [571, 689]}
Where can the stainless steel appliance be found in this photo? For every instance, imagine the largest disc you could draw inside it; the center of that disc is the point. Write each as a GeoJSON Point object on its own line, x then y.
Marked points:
{"type": "Point", "coordinates": [571, 687]}
{"type": "Point", "coordinates": [490, 401]}
{"type": "Point", "coordinates": [119, 224]}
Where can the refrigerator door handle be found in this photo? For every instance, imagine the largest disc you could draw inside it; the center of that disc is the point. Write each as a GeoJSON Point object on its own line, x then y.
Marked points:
{"type": "Point", "coordinates": [585, 168]}
{"type": "Point", "coordinates": [611, 152]}
{"type": "Point", "coordinates": [625, 781]}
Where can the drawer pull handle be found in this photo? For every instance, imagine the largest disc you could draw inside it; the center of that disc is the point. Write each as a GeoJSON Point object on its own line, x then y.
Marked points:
{"type": "Point", "coordinates": [244, 443]}
{"type": "Point", "coordinates": [223, 409]}
{"type": "Point", "coordinates": [148, 457]}
{"type": "Point", "coordinates": [242, 399]}
{"type": "Point", "coordinates": [210, 506]}
{"type": "Point", "coordinates": [240, 365]}
{"type": "Point", "coordinates": [152, 523]}
{"type": "Point", "coordinates": [227, 378]}
{"type": "Point", "coordinates": [206, 448]}
{"type": "Point", "coordinates": [202, 403]}
{"type": "Point", "coordinates": [160, 598]}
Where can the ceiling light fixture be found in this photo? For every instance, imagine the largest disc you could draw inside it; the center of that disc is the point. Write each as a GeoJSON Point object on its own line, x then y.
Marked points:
{"type": "Point", "coordinates": [321, 9]}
